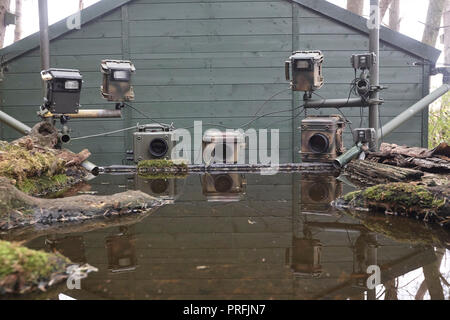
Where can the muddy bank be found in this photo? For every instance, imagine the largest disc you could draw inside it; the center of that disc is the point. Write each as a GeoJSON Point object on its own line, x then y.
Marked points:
{"type": "Point", "coordinates": [429, 204]}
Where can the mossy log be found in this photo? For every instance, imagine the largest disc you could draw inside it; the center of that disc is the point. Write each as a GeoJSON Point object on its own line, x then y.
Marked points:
{"type": "Point", "coordinates": [36, 167]}
{"type": "Point", "coordinates": [372, 173]}
{"type": "Point", "coordinates": [434, 161]}
{"type": "Point", "coordinates": [18, 209]}
{"type": "Point", "coordinates": [23, 270]}
{"type": "Point", "coordinates": [430, 204]}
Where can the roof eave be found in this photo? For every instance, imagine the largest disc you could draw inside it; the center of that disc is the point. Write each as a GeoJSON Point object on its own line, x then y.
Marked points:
{"type": "Point", "coordinates": [387, 35]}
{"type": "Point", "coordinates": [58, 29]}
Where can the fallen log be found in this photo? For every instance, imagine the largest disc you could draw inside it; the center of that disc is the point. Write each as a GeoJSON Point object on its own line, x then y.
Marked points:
{"type": "Point", "coordinates": [371, 173]}
{"type": "Point", "coordinates": [36, 167]}
{"type": "Point", "coordinates": [429, 204]}
{"type": "Point", "coordinates": [434, 161]}
{"type": "Point", "coordinates": [19, 210]}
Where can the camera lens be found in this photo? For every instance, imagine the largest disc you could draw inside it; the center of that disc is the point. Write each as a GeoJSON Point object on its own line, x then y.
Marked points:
{"type": "Point", "coordinates": [159, 186]}
{"type": "Point", "coordinates": [318, 192]}
{"type": "Point", "coordinates": [158, 148]}
{"type": "Point", "coordinates": [223, 183]}
{"type": "Point", "coordinates": [319, 143]}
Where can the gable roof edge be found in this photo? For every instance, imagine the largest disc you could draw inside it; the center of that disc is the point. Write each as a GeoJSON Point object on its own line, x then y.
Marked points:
{"type": "Point", "coordinates": [58, 29]}
{"type": "Point", "coordinates": [387, 35]}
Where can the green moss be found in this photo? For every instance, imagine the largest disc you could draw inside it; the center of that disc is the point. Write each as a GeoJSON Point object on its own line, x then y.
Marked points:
{"type": "Point", "coordinates": [33, 265]}
{"type": "Point", "coordinates": [161, 164]}
{"type": "Point", "coordinates": [42, 184]}
{"type": "Point", "coordinates": [19, 163]}
{"type": "Point", "coordinates": [161, 169]}
{"type": "Point", "coordinates": [405, 196]}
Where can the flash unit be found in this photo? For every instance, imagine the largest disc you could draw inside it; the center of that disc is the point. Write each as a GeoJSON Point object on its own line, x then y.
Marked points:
{"type": "Point", "coordinates": [63, 88]}
{"type": "Point", "coordinates": [117, 80]}
{"type": "Point", "coordinates": [306, 70]}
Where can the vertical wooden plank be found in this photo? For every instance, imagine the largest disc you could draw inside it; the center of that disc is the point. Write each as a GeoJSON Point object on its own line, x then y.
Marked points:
{"type": "Point", "coordinates": [127, 112]}
{"type": "Point", "coordinates": [295, 95]}
{"type": "Point", "coordinates": [426, 91]}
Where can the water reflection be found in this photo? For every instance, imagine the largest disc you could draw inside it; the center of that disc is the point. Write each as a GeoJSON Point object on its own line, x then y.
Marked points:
{"type": "Point", "coordinates": [234, 236]}
{"type": "Point", "coordinates": [165, 189]}
{"type": "Point", "coordinates": [121, 250]}
{"type": "Point", "coordinates": [223, 187]}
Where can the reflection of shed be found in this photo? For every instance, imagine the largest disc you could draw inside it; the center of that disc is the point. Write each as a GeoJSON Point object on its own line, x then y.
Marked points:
{"type": "Point", "coordinates": [196, 249]}
{"type": "Point", "coordinates": [205, 60]}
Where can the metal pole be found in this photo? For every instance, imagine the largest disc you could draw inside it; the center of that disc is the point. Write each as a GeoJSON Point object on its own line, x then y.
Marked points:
{"type": "Point", "coordinates": [413, 110]}
{"type": "Point", "coordinates": [14, 123]}
{"type": "Point", "coordinates": [335, 103]}
{"type": "Point", "coordinates": [374, 46]}
{"type": "Point", "coordinates": [45, 42]}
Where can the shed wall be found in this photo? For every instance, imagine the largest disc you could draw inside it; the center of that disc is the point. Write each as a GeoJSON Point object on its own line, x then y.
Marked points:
{"type": "Point", "coordinates": [215, 61]}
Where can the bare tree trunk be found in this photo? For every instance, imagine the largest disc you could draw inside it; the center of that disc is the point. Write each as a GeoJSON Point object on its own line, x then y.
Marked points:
{"type": "Point", "coordinates": [434, 17]}
{"type": "Point", "coordinates": [394, 16]}
{"type": "Point", "coordinates": [18, 29]}
{"type": "Point", "coordinates": [356, 6]}
{"type": "Point", "coordinates": [4, 7]}
{"type": "Point", "coordinates": [432, 275]}
{"type": "Point", "coordinates": [384, 6]}
{"type": "Point", "coordinates": [81, 5]}
{"type": "Point", "coordinates": [391, 290]}
{"type": "Point", "coordinates": [447, 33]}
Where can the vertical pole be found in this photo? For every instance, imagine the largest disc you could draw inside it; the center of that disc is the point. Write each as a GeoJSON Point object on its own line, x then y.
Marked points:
{"type": "Point", "coordinates": [374, 46]}
{"type": "Point", "coordinates": [45, 42]}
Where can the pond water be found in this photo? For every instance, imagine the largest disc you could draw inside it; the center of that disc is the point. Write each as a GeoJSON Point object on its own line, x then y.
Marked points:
{"type": "Point", "coordinates": [246, 236]}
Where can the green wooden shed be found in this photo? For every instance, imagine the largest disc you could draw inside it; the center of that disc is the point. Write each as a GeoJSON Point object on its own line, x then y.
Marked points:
{"type": "Point", "coordinates": [213, 60]}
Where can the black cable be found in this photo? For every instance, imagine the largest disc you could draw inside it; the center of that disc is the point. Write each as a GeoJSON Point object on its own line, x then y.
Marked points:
{"type": "Point", "coordinates": [270, 99]}
{"type": "Point", "coordinates": [244, 125]}
{"type": "Point", "coordinates": [147, 116]}
{"type": "Point", "coordinates": [290, 119]}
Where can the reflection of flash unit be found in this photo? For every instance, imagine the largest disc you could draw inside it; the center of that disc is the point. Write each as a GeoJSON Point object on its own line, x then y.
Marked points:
{"type": "Point", "coordinates": [117, 80]}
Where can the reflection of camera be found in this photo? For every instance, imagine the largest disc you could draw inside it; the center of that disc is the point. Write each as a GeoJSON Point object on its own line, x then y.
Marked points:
{"type": "Point", "coordinates": [121, 253]}
{"type": "Point", "coordinates": [306, 70]}
{"type": "Point", "coordinates": [158, 188]}
{"type": "Point", "coordinates": [225, 187]}
{"type": "Point", "coordinates": [318, 191]}
{"type": "Point", "coordinates": [305, 257]}
{"type": "Point", "coordinates": [153, 141]}
{"type": "Point", "coordinates": [322, 138]}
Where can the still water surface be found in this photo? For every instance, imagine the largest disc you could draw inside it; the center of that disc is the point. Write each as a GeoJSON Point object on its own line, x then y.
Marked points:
{"type": "Point", "coordinates": [238, 236]}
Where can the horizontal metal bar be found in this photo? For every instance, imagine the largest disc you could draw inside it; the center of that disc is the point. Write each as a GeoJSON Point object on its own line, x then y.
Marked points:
{"type": "Point", "coordinates": [335, 103]}
{"type": "Point", "coordinates": [95, 113]}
